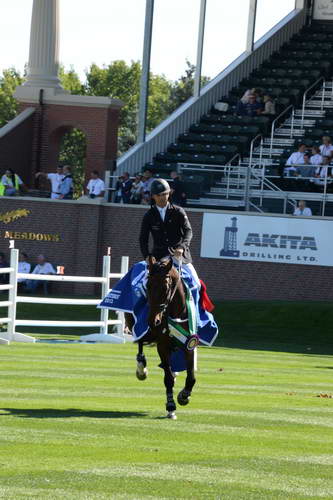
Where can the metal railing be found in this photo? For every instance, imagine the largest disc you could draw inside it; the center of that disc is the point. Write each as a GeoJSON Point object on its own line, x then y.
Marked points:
{"type": "Point", "coordinates": [191, 111]}
{"type": "Point", "coordinates": [306, 93]}
{"type": "Point", "coordinates": [252, 149]}
{"type": "Point", "coordinates": [291, 107]}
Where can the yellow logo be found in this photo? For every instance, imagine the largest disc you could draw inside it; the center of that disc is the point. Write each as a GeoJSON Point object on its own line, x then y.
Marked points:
{"type": "Point", "coordinates": [14, 215]}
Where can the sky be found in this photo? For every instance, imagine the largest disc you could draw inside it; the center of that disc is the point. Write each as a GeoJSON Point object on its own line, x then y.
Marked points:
{"type": "Point", "coordinates": [102, 31]}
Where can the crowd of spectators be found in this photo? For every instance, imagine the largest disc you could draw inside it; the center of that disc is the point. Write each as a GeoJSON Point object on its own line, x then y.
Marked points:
{"type": "Point", "coordinates": [311, 165]}
{"type": "Point", "coordinates": [40, 266]}
{"type": "Point", "coordinates": [137, 190]}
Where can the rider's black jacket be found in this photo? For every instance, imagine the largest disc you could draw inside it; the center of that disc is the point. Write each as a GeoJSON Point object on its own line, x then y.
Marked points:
{"type": "Point", "coordinates": [175, 231]}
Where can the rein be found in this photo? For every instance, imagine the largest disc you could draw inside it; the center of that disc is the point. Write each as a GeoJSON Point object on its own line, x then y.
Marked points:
{"type": "Point", "coordinates": [169, 300]}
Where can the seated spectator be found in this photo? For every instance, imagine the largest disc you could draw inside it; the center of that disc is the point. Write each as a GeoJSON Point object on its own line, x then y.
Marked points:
{"type": "Point", "coordinates": [23, 267]}
{"type": "Point", "coordinates": [316, 158]}
{"type": "Point", "coordinates": [294, 160]}
{"type": "Point", "coordinates": [326, 149]}
{"type": "Point", "coordinates": [66, 185]}
{"type": "Point", "coordinates": [306, 170]}
{"type": "Point", "coordinates": [10, 183]}
{"type": "Point", "coordinates": [126, 188]}
{"type": "Point", "coordinates": [246, 96]}
{"type": "Point", "coordinates": [178, 195]}
{"type": "Point", "coordinates": [4, 278]}
{"type": "Point", "coordinates": [55, 180]}
{"type": "Point", "coordinates": [137, 190]}
{"type": "Point", "coordinates": [119, 184]}
{"type": "Point", "coordinates": [42, 267]}
{"type": "Point", "coordinates": [95, 187]}
{"type": "Point", "coordinates": [302, 210]}
{"type": "Point", "coordinates": [269, 106]}
{"type": "Point", "coordinates": [322, 172]}
{"type": "Point", "coordinates": [147, 181]}
{"type": "Point", "coordinates": [251, 108]}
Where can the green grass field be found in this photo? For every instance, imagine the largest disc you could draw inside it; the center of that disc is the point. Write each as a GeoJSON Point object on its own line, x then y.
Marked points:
{"type": "Point", "coordinates": [76, 424]}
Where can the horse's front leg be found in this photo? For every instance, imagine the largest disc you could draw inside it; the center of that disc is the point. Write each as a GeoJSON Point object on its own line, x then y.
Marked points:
{"type": "Point", "coordinates": [141, 363]}
{"type": "Point", "coordinates": [164, 352]}
{"type": "Point", "coordinates": [184, 395]}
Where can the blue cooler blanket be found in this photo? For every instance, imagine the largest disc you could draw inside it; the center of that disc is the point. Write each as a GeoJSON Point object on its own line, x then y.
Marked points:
{"type": "Point", "coordinates": [129, 295]}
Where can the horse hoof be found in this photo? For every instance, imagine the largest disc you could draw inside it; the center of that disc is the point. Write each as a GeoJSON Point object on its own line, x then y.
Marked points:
{"type": "Point", "coordinates": [172, 415]}
{"type": "Point", "coordinates": [141, 372]}
{"type": "Point", "coordinates": [183, 398]}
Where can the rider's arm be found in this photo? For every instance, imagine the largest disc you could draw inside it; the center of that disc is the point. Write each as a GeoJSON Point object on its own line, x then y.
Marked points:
{"type": "Point", "coordinates": [186, 230]}
{"type": "Point", "coordinates": [144, 236]}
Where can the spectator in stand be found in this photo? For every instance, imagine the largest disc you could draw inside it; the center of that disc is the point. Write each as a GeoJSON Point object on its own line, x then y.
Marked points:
{"type": "Point", "coordinates": [66, 185]}
{"type": "Point", "coordinates": [10, 183]}
{"type": "Point", "coordinates": [137, 190]}
{"type": "Point", "coordinates": [42, 267]}
{"type": "Point", "coordinates": [302, 210]}
{"type": "Point", "coordinates": [251, 108]}
{"type": "Point", "coordinates": [326, 149]}
{"type": "Point", "coordinates": [322, 172]}
{"type": "Point", "coordinates": [126, 188]}
{"type": "Point", "coordinates": [119, 184]}
{"type": "Point", "coordinates": [55, 180]}
{"type": "Point", "coordinates": [316, 158]}
{"type": "Point", "coordinates": [246, 96]}
{"type": "Point", "coordinates": [147, 181]}
{"type": "Point", "coordinates": [294, 160]}
{"type": "Point", "coordinates": [4, 278]}
{"type": "Point", "coordinates": [307, 169]}
{"type": "Point", "coordinates": [269, 106]}
{"type": "Point", "coordinates": [95, 187]}
{"type": "Point", "coordinates": [178, 195]}
{"type": "Point", "coordinates": [23, 267]}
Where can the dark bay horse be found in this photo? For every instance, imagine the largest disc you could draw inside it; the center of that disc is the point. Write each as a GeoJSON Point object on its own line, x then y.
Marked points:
{"type": "Point", "coordinates": [166, 296]}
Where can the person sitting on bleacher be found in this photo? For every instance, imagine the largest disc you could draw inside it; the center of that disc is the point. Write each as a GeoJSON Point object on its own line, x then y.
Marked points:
{"type": "Point", "coordinates": [245, 99]}
{"type": "Point", "coordinates": [326, 149]}
{"type": "Point", "coordinates": [295, 159]}
{"type": "Point", "coordinates": [302, 209]}
{"type": "Point", "coordinates": [316, 158]}
{"type": "Point", "coordinates": [269, 106]}
{"type": "Point", "coordinates": [251, 108]}
{"type": "Point", "coordinates": [322, 172]}
{"type": "Point", "coordinates": [305, 170]}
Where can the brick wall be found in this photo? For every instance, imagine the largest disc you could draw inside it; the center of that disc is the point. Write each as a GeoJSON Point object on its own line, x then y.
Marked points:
{"type": "Point", "coordinates": [86, 230]}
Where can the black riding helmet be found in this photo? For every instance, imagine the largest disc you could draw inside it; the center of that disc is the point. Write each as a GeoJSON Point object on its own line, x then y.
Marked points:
{"type": "Point", "coordinates": [159, 186]}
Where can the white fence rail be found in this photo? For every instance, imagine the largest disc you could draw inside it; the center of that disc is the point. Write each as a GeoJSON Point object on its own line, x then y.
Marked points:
{"type": "Point", "coordinates": [13, 299]}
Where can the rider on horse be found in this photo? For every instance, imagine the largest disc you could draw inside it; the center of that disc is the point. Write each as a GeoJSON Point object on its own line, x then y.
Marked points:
{"type": "Point", "coordinates": [170, 228]}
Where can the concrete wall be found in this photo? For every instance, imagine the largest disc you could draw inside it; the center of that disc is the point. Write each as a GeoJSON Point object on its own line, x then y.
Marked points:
{"type": "Point", "coordinates": [86, 230]}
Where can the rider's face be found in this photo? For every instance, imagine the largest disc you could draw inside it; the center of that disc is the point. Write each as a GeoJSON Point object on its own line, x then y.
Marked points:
{"type": "Point", "coordinates": [161, 199]}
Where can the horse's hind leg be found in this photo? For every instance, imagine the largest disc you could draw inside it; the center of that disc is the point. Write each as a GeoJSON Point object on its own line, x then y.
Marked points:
{"type": "Point", "coordinates": [141, 363]}
{"type": "Point", "coordinates": [183, 397]}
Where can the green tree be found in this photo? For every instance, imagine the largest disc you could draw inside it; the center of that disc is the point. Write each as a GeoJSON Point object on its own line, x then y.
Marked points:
{"type": "Point", "coordinates": [9, 80]}
{"type": "Point", "coordinates": [70, 81]}
{"type": "Point", "coordinates": [73, 153]}
{"type": "Point", "coordinates": [182, 89]}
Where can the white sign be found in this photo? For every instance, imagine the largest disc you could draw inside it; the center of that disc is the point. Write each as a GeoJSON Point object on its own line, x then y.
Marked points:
{"type": "Point", "coordinates": [323, 9]}
{"type": "Point", "coordinates": [284, 240]}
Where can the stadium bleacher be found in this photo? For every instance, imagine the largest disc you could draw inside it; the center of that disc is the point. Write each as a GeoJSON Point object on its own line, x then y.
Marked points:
{"type": "Point", "coordinates": [220, 135]}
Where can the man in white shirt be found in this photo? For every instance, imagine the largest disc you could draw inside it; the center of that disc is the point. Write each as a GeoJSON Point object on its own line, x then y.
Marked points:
{"type": "Point", "coordinates": [326, 149]}
{"type": "Point", "coordinates": [95, 187]}
{"type": "Point", "coordinates": [42, 267]}
{"type": "Point", "coordinates": [322, 174]}
{"type": "Point", "coordinates": [55, 180]}
{"type": "Point", "coordinates": [23, 267]}
{"type": "Point", "coordinates": [295, 159]}
{"type": "Point", "coordinates": [302, 210]}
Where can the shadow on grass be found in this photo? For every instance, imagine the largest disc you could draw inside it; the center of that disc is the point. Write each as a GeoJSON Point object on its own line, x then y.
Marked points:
{"type": "Point", "coordinates": [68, 413]}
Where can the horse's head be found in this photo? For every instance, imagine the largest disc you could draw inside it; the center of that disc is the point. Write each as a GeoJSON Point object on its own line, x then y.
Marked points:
{"type": "Point", "coordinates": [159, 289]}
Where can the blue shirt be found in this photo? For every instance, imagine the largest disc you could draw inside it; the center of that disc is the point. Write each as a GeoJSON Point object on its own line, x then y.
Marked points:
{"type": "Point", "coordinates": [66, 186]}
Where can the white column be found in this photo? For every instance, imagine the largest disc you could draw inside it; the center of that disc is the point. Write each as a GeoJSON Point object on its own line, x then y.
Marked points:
{"type": "Point", "coordinates": [251, 26]}
{"type": "Point", "coordinates": [299, 4]}
{"type": "Point", "coordinates": [43, 63]}
{"type": "Point", "coordinates": [201, 34]}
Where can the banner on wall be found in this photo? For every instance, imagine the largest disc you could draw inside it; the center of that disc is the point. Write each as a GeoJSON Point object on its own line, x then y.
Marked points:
{"type": "Point", "coordinates": [283, 240]}
{"type": "Point", "coordinates": [323, 10]}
